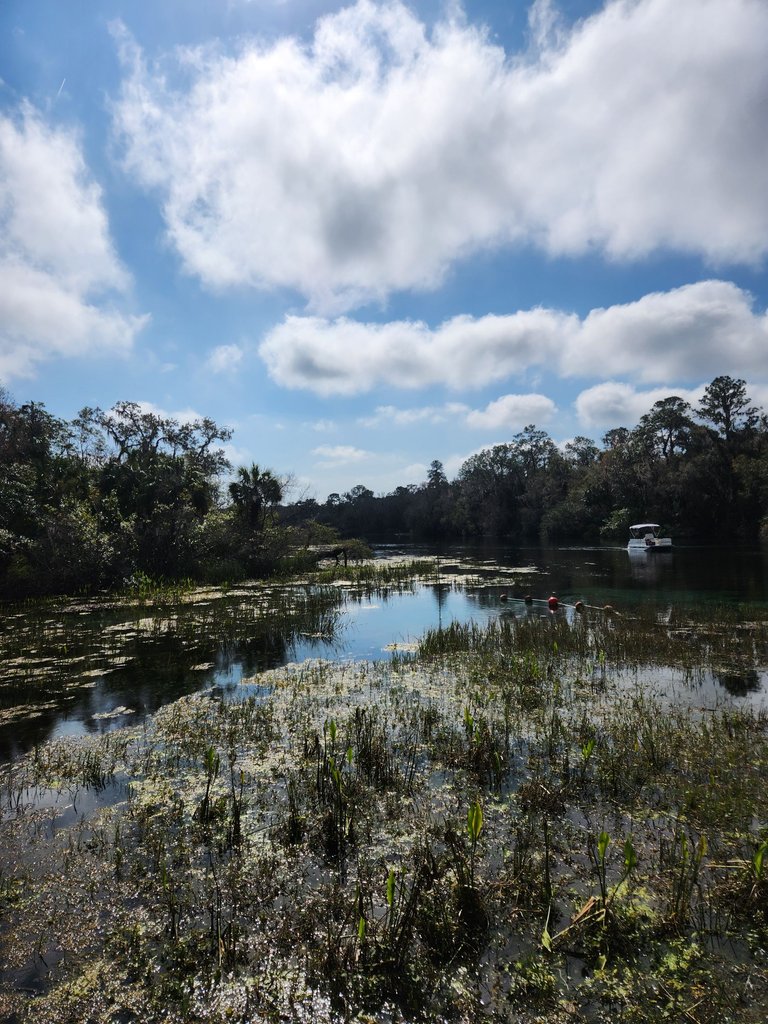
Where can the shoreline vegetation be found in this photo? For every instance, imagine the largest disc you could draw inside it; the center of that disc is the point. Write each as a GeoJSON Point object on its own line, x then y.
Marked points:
{"type": "Point", "coordinates": [126, 497]}
{"type": "Point", "coordinates": [513, 823]}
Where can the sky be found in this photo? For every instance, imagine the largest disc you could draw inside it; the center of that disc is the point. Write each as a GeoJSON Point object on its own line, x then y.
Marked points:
{"type": "Point", "coordinates": [369, 235]}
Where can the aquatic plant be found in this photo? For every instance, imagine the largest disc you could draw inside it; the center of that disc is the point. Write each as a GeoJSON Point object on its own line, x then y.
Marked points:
{"type": "Point", "coordinates": [492, 827]}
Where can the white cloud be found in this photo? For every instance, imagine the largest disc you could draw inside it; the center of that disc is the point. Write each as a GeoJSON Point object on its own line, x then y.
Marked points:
{"type": "Point", "coordinates": [615, 404]}
{"type": "Point", "coordinates": [57, 261]}
{"type": "Point", "coordinates": [699, 330]}
{"type": "Point", "coordinates": [344, 356]}
{"type": "Point", "coordinates": [415, 473]}
{"type": "Point", "coordinates": [340, 454]}
{"type": "Point", "coordinates": [371, 158]}
{"type": "Point", "coordinates": [53, 218]}
{"type": "Point", "coordinates": [224, 359]}
{"type": "Point", "coordinates": [324, 426]}
{"type": "Point", "coordinates": [237, 455]}
{"type": "Point", "coordinates": [510, 412]}
{"type": "Point", "coordinates": [40, 318]}
{"type": "Point", "coordinates": [513, 412]}
{"type": "Point", "coordinates": [390, 415]}
{"type": "Point", "coordinates": [689, 333]}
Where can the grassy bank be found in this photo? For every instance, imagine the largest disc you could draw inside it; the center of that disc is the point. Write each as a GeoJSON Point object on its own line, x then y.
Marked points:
{"type": "Point", "coordinates": [512, 824]}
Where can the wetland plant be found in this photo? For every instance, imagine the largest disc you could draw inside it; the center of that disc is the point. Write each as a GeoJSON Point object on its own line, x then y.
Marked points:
{"type": "Point", "coordinates": [333, 793]}
{"type": "Point", "coordinates": [341, 847]}
{"type": "Point", "coordinates": [474, 830]}
{"type": "Point", "coordinates": [471, 917]}
{"type": "Point", "coordinates": [684, 858]}
{"type": "Point", "coordinates": [211, 764]}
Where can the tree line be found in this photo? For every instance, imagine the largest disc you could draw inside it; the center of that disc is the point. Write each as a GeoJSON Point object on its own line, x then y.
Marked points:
{"type": "Point", "coordinates": [113, 497]}
{"type": "Point", "coordinates": [118, 495]}
{"type": "Point", "coordinates": [702, 472]}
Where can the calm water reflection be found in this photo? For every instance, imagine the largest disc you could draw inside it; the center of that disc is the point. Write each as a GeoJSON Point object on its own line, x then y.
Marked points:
{"type": "Point", "coordinates": [162, 667]}
{"type": "Point", "coordinates": [601, 575]}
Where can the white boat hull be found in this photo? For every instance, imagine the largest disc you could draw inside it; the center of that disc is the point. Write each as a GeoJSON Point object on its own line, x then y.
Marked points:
{"type": "Point", "coordinates": [650, 544]}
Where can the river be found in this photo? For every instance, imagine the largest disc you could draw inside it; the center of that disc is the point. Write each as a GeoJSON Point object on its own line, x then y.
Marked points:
{"type": "Point", "coordinates": [70, 669]}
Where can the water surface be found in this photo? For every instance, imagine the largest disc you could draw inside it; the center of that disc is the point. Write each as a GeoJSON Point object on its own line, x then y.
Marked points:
{"type": "Point", "coordinates": [87, 669]}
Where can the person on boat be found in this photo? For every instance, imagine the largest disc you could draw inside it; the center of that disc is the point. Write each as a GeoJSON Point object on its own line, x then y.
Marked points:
{"type": "Point", "coordinates": [553, 603]}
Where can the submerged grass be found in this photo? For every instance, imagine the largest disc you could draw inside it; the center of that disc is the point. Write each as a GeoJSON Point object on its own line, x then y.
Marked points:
{"type": "Point", "coordinates": [59, 650]}
{"type": "Point", "coordinates": [56, 645]}
{"type": "Point", "coordinates": [499, 827]}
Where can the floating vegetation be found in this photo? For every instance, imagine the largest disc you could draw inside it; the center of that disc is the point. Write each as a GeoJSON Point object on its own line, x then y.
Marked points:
{"type": "Point", "coordinates": [63, 650]}
{"type": "Point", "coordinates": [117, 712]}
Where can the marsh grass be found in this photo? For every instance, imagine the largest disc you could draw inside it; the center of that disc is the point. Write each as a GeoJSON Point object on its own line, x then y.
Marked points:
{"type": "Point", "coordinates": [498, 827]}
{"type": "Point", "coordinates": [375, 577]}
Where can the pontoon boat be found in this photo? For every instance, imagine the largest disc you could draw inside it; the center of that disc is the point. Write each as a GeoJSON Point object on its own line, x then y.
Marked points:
{"type": "Point", "coordinates": [645, 537]}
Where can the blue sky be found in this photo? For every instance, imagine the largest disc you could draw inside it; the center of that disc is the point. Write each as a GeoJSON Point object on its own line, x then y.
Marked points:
{"type": "Point", "coordinates": [371, 235]}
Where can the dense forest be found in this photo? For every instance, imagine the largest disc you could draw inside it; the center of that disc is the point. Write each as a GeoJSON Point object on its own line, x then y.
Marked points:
{"type": "Point", "coordinates": [113, 497]}
{"type": "Point", "coordinates": [701, 472]}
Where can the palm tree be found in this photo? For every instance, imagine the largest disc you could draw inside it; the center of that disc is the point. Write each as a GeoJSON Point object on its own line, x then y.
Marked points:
{"type": "Point", "coordinates": [254, 493]}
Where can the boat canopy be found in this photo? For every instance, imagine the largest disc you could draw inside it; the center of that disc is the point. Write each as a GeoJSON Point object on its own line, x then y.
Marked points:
{"type": "Point", "coordinates": [645, 526]}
